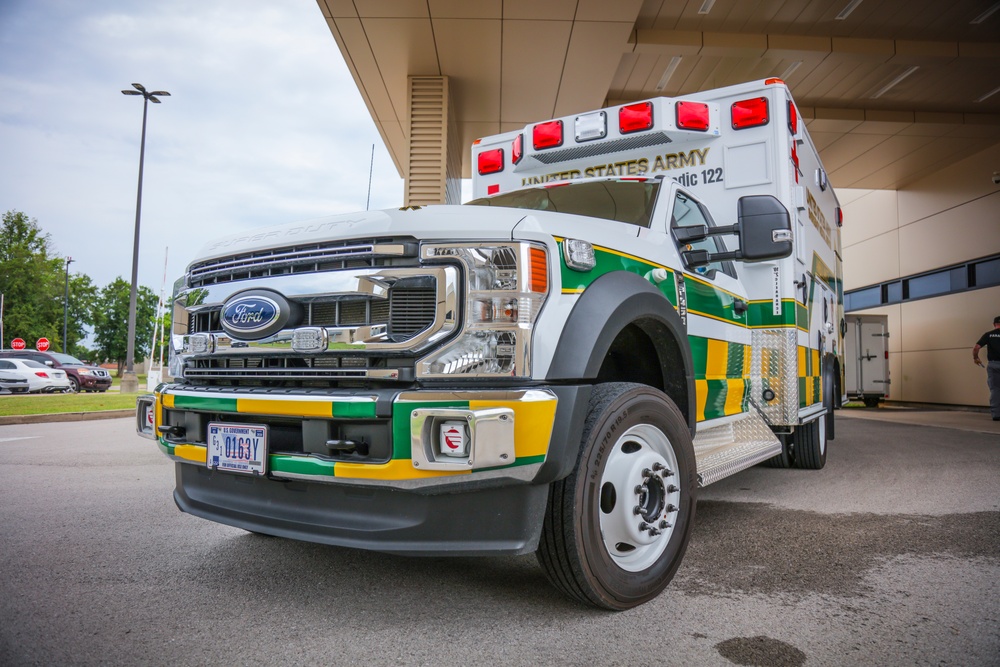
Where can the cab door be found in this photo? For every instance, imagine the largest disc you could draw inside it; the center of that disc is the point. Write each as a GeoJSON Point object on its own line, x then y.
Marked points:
{"type": "Point", "coordinates": [716, 305]}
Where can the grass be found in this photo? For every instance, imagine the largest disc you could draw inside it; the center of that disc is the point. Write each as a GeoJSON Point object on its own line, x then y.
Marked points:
{"type": "Point", "coordinates": [44, 404]}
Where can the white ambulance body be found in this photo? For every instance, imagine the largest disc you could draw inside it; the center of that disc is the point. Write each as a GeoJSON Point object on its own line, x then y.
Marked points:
{"type": "Point", "coordinates": [715, 147]}
{"type": "Point", "coordinates": [641, 301]}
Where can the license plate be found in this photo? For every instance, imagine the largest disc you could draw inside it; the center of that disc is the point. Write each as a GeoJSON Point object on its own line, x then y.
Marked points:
{"type": "Point", "coordinates": [237, 448]}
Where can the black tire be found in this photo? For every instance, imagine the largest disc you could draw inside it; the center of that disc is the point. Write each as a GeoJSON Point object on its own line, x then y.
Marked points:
{"type": "Point", "coordinates": [870, 401]}
{"type": "Point", "coordinates": [74, 384]}
{"type": "Point", "coordinates": [634, 438]}
{"type": "Point", "coordinates": [810, 444]}
{"type": "Point", "coordinates": [829, 398]}
{"type": "Point", "coordinates": [786, 458]}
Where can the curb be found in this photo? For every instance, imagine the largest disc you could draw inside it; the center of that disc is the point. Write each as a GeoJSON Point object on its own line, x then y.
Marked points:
{"type": "Point", "coordinates": [65, 417]}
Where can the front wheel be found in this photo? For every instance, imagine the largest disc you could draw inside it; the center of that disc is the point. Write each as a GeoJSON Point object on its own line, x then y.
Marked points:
{"type": "Point", "coordinates": [617, 527]}
{"type": "Point", "coordinates": [74, 384]}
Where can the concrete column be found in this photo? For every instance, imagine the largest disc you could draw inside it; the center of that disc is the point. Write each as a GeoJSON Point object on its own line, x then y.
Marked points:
{"type": "Point", "coordinates": [434, 174]}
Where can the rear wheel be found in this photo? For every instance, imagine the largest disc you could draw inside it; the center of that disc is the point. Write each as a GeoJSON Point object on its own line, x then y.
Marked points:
{"type": "Point", "coordinates": [785, 459]}
{"type": "Point", "coordinates": [810, 444]}
{"type": "Point", "coordinates": [617, 527]}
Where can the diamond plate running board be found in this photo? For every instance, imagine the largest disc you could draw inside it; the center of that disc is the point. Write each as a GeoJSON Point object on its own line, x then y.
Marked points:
{"type": "Point", "coordinates": [725, 450]}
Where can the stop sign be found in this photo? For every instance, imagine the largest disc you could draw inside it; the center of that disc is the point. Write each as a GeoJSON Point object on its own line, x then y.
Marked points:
{"type": "Point", "coordinates": [42, 345]}
{"type": "Point", "coordinates": [17, 344]}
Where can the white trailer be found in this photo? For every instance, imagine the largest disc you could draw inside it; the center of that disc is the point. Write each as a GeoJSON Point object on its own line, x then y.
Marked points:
{"type": "Point", "coordinates": [866, 367]}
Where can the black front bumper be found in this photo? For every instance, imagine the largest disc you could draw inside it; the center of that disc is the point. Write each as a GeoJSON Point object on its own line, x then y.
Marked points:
{"type": "Point", "coordinates": [485, 521]}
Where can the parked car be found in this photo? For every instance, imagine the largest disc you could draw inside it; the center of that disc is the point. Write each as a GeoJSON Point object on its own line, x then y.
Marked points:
{"type": "Point", "coordinates": [41, 378]}
{"type": "Point", "coordinates": [82, 376]}
{"type": "Point", "coordinates": [12, 383]}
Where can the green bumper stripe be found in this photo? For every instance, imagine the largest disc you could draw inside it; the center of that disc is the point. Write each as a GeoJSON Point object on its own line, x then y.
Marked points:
{"type": "Point", "coordinates": [300, 465]}
{"type": "Point", "coordinates": [354, 409]}
{"type": "Point", "coordinates": [205, 403]}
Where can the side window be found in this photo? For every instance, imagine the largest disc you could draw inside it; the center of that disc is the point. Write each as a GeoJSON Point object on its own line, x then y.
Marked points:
{"type": "Point", "coordinates": [689, 212]}
{"type": "Point", "coordinates": [6, 365]}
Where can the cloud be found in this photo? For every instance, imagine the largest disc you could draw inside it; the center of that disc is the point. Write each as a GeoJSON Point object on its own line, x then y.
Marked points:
{"type": "Point", "coordinates": [264, 125]}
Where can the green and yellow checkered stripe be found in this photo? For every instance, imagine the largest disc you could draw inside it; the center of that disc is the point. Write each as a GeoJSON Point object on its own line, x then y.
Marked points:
{"type": "Point", "coordinates": [810, 378]}
{"type": "Point", "coordinates": [721, 369]}
{"type": "Point", "coordinates": [532, 430]}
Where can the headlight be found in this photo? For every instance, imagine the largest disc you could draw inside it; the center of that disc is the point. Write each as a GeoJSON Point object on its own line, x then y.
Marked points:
{"type": "Point", "coordinates": [506, 284]}
{"type": "Point", "coordinates": [83, 371]}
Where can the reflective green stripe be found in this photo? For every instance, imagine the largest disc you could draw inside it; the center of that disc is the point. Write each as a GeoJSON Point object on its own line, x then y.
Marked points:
{"type": "Point", "coordinates": [761, 315]}
{"type": "Point", "coordinates": [206, 403]}
{"type": "Point", "coordinates": [354, 409]}
{"type": "Point", "coordinates": [608, 261]}
{"type": "Point", "coordinates": [705, 299]}
{"type": "Point", "coordinates": [301, 465]}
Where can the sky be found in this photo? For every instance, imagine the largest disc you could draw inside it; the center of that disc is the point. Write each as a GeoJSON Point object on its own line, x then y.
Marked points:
{"type": "Point", "coordinates": [264, 125]}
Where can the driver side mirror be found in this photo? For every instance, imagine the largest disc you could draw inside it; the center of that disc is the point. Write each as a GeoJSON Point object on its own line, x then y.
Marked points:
{"type": "Point", "coordinates": [763, 227]}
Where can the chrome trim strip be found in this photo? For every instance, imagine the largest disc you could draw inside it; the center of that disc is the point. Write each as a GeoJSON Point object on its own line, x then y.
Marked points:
{"type": "Point", "coordinates": [315, 255]}
{"type": "Point", "coordinates": [292, 373]}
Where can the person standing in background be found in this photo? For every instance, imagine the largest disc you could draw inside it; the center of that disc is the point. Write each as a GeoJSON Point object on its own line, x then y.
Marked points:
{"type": "Point", "coordinates": [991, 341]}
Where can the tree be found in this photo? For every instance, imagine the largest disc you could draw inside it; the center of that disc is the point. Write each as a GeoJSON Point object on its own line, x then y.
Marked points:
{"type": "Point", "coordinates": [111, 322]}
{"type": "Point", "coordinates": [31, 280]}
{"type": "Point", "coordinates": [83, 296]}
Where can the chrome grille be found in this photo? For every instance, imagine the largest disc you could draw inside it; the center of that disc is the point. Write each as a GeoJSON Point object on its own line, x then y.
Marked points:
{"type": "Point", "coordinates": [299, 259]}
{"type": "Point", "coordinates": [406, 312]}
{"type": "Point", "coordinates": [281, 368]}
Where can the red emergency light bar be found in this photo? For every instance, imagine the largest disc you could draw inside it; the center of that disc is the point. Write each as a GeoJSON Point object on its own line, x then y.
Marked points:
{"type": "Point", "coordinates": [547, 135]}
{"type": "Point", "coordinates": [749, 113]}
{"type": "Point", "coordinates": [517, 149]}
{"type": "Point", "coordinates": [692, 116]}
{"type": "Point", "coordinates": [490, 162]}
{"type": "Point", "coordinates": [635, 117]}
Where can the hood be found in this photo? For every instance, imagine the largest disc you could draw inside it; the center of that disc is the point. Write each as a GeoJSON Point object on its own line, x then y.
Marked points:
{"type": "Point", "coordinates": [430, 222]}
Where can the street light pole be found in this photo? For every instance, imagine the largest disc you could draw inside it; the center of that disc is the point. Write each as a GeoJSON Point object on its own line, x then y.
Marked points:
{"type": "Point", "coordinates": [130, 384]}
{"type": "Point", "coordinates": [65, 343]}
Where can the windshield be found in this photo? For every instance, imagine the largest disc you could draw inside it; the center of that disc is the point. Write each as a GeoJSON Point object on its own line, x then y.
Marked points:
{"type": "Point", "coordinates": [623, 201]}
{"type": "Point", "coordinates": [66, 359]}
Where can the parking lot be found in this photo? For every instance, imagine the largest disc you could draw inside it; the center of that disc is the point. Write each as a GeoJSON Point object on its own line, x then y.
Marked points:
{"type": "Point", "coordinates": [888, 556]}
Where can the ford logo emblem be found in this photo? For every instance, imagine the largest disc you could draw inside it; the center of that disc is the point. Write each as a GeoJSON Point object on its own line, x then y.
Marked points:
{"type": "Point", "coordinates": [255, 315]}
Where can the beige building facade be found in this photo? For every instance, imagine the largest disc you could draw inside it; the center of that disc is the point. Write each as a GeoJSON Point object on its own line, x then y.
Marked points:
{"type": "Point", "coordinates": [901, 98]}
{"type": "Point", "coordinates": [932, 237]}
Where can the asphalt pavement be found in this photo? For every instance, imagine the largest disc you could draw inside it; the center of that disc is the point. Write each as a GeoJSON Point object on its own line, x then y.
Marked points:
{"type": "Point", "coordinates": [888, 556]}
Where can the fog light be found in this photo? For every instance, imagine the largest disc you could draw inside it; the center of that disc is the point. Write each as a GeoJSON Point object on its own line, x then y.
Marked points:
{"type": "Point", "coordinates": [310, 339]}
{"type": "Point", "coordinates": [200, 344]}
{"type": "Point", "coordinates": [454, 439]}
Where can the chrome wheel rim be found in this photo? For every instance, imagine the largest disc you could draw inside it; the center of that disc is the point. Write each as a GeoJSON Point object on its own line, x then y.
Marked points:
{"type": "Point", "coordinates": [639, 497]}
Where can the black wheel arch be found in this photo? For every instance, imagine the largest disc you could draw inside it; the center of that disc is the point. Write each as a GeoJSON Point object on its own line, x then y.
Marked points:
{"type": "Point", "coordinates": [623, 313]}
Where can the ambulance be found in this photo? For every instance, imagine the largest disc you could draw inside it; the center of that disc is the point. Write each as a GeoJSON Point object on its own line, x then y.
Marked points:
{"type": "Point", "coordinates": [640, 301]}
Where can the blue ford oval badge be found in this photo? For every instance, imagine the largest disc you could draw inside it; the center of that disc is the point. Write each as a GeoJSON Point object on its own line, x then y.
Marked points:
{"type": "Point", "coordinates": [252, 316]}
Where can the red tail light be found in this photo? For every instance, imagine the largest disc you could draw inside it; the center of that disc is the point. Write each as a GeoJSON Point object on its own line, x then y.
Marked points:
{"type": "Point", "coordinates": [750, 113]}
{"type": "Point", "coordinates": [635, 117]}
{"type": "Point", "coordinates": [490, 162]}
{"type": "Point", "coordinates": [840, 217]}
{"type": "Point", "coordinates": [517, 149]}
{"type": "Point", "coordinates": [547, 135]}
{"type": "Point", "coordinates": [793, 119]}
{"type": "Point", "coordinates": [41, 374]}
{"type": "Point", "coordinates": [493, 189]}
{"type": "Point", "coordinates": [692, 116]}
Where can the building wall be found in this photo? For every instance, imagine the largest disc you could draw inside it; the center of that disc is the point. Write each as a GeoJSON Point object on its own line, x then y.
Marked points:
{"type": "Point", "coordinates": [949, 217]}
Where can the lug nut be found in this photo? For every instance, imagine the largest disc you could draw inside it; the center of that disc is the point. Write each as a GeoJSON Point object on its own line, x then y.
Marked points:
{"type": "Point", "coordinates": [671, 508]}
{"type": "Point", "coordinates": [653, 532]}
{"type": "Point", "coordinates": [671, 489]}
{"type": "Point", "coordinates": [643, 526]}
{"type": "Point", "coordinates": [637, 510]}
{"type": "Point", "coordinates": [664, 524]}
{"type": "Point", "coordinates": [646, 472]}
{"type": "Point", "coordinates": [667, 473]}
{"type": "Point", "coordinates": [639, 489]}
{"type": "Point", "coordinates": [657, 467]}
